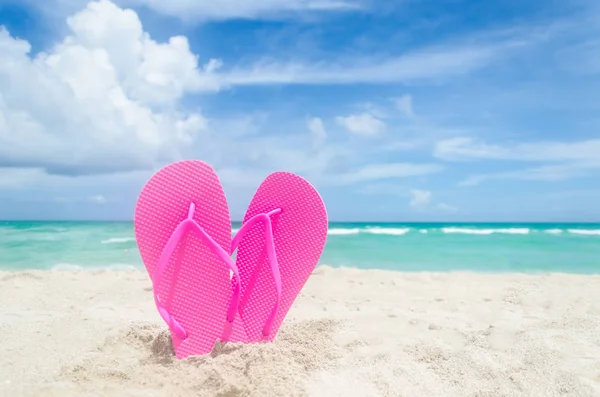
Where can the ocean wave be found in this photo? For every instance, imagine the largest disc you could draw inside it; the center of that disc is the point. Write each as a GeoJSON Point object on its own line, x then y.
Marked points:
{"type": "Point", "coordinates": [369, 230]}
{"type": "Point", "coordinates": [118, 240]}
{"type": "Point", "coordinates": [554, 231]}
{"type": "Point", "coordinates": [585, 232]}
{"type": "Point", "coordinates": [390, 231]}
{"type": "Point", "coordinates": [342, 232]}
{"type": "Point", "coordinates": [449, 230]}
{"type": "Point", "coordinates": [401, 231]}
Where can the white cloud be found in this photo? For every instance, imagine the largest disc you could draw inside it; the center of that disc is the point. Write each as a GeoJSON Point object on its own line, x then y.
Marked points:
{"type": "Point", "coordinates": [317, 130]}
{"type": "Point", "coordinates": [375, 172]}
{"type": "Point", "coordinates": [361, 124]}
{"type": "Point", "coordinates": [465, 148]}
{"type": "Point", "coordinates": [255, 9]}
{"type": "Point", "coordinates": [419, 199]}
{"type": "Point", "coordinates": [203, 10]}
{"type": "Point", "coordinates": [432, 63]}
{"type": "Point", "coordinates": [107, 99]}
{"type": "Point", "coordinates": [245, 161]}
{"type": "Point", "coordinates": [423, 200]}
{"type": "Point", "coordinates": [316, 167]}
{"type": "Point", "coordinates": [104, 99]}
{"type": "Point", "coordinates": [548, 173]}
{"type": "Point", "coordinates": [563, 160]}
{"type": "Point", "coordinates": [329, 165]}
{"type": "Point", "coordinates": [405, 105]}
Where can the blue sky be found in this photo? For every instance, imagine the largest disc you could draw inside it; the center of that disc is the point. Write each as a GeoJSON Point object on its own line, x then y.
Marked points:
{"type": "Point", "coordinates": [415, 110]}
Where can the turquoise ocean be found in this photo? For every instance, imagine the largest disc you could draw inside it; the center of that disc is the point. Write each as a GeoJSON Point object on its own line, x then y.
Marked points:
{"type": "Point", "coordinates": [572, 248]}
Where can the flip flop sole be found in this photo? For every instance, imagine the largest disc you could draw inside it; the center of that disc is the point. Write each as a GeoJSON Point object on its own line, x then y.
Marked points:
{"type": "Point", "coordinates": [195, 287]}
{"type": "Point", "coordinates": [299, 232]}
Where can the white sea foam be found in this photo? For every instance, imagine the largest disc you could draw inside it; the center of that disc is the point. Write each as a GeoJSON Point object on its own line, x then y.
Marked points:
{"type": "Point", "coordinates": [342, 232]}
{"type": "Point", "coordinates": [460, 230]}
{"type": "Point", "coordinates": [585, 232]}
{"type": "Point", "coordinates": [390, 231]}
{"type": "Point", "coordinates": [113, 266]}
{"type": "Point", "coordinates": [121, 266]}
{"type": "Point", "coordinates": [66, 267]}
{"type": "Point", "coordinates": [117, 240]}
{"type": "Point", "coordinates": [553, 231]}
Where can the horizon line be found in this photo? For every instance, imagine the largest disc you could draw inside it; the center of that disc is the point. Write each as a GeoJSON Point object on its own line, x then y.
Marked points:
{"type": "Point", "coordinates": [330, 221]}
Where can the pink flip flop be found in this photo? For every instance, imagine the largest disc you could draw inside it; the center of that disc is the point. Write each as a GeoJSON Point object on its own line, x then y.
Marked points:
{"type": "Point", "coordinates": [183, 231]}
{"type": "Point", "coordinates": [280, 242]}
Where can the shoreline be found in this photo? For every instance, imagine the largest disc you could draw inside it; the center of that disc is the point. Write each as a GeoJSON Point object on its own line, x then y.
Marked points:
{"type": "Point", "coordinates": [125, 268]}
{"type": "Point", "coordinates": [351, 332]}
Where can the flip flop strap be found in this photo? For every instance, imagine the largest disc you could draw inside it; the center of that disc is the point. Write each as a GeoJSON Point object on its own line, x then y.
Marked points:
{"type": "Point", "coordinates": [157, 275]}
{"type": "Point", "coordinates": [271, 255]}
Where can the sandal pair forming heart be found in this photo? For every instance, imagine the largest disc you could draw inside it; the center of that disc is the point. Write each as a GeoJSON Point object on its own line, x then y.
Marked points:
{"type": "Point", "coordinates": [183, 230]}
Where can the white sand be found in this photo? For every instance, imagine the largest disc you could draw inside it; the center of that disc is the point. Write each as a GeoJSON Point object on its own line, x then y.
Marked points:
{"type": "Point", "coordinates": [351, 333]}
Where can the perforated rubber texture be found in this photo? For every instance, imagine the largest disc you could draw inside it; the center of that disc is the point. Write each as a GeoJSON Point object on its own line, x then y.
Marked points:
{"type": "Point", "coordinates": [300, 232]}
{"type": "Point", "coordinates": [196, 288]}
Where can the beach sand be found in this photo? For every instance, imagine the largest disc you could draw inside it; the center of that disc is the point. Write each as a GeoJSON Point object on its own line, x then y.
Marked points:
{"type": "Point", "coordinates": [350, 333]}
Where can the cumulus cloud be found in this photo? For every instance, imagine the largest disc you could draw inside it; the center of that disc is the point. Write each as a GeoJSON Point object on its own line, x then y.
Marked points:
{"type": "Point", "coordinates": [107, 99]}
{"type": "Point", "coordinates": [104, 99]}
{"type": "Point", "coordinates": [361, 124]}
